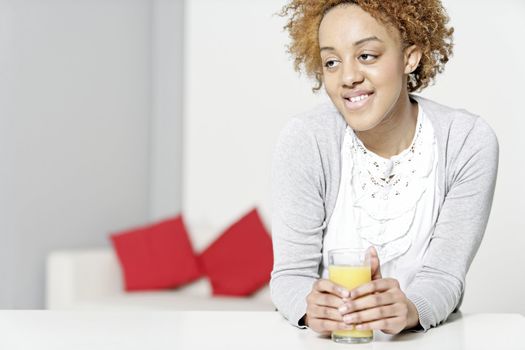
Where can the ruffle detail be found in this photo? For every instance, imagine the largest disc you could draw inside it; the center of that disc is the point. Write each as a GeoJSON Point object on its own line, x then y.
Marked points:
{"type": "Point", "coordinates": [383, 194]}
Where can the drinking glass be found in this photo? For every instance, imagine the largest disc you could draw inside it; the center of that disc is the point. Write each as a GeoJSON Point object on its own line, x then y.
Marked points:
{"type": "Point", "coordinates": [350, 268]}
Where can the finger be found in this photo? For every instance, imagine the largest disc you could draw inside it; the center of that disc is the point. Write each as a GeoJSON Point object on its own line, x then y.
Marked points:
{"type": "Point", "coordinates": [321, 325]}
{"type": "Point", "coordinates": [329, 313]}
{"type": "Point", "coordinates": [387, 325]}
{"type": "Point", "coordinates": [325, 299]}
{"type": "Point", "coordinates": [380, 285]}
{"type": "Point", "coordinates": [323, 285]}
{"type": "Point", "coordinates": [370, 301]}
{"type": "Point", "coordinates": [372, 314]}
{"type": "Point", "coordinates": [375, 264]}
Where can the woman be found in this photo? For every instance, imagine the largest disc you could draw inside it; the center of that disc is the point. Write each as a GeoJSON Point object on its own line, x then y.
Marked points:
{"type": "Point", "coordinates": [377, 167]}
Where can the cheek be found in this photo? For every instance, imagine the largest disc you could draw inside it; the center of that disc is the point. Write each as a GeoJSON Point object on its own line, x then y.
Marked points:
{"type": "Point", "coordinates": [330, 83]}
{"type": "Point", "coordinates": [389, 73]}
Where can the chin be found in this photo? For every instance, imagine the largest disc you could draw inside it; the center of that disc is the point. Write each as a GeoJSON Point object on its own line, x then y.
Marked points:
{"type": "Point", "coordinates": [361, 123]}
{"type": "Point", "coordinates": [361, 120]}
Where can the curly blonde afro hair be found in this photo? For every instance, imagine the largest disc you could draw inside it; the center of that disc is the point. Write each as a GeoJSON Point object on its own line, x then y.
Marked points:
{"type": "Point", "coordinates": [419, 22]}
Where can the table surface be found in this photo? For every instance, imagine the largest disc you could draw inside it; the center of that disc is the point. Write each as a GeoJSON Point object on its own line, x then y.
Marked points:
{"type": "Point", "coordinates": [42, 329]}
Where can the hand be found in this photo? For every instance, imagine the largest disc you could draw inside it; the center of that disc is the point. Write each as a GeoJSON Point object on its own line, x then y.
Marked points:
{"type": "Point", "coordinates": [322, 314]}
{"type": "Point", "coordinates": [379, 304]}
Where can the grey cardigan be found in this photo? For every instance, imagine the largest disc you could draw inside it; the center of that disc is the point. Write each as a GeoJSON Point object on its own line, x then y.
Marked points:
{"type": "Point", "coordinates": [306, 172]}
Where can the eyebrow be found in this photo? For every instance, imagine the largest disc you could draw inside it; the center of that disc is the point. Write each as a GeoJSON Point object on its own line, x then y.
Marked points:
{"type": "Point", "coordinates": [357, 43]}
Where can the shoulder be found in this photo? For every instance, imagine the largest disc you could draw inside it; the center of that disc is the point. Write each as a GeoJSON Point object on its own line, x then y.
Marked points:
{"type": "Point", "coordinates": [458, 128]}
{"type": "Point", "coordinates": [468, 145]}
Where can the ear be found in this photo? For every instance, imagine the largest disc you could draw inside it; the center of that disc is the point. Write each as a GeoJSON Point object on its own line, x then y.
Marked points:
{"type": "Point", "coordinates": [412, 56]}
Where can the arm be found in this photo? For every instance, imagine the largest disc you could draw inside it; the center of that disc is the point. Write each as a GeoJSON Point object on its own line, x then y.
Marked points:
{"type": "Point", "coordinates": [298, 219]}
{"type": "Point", "coordinates": [437, 288]}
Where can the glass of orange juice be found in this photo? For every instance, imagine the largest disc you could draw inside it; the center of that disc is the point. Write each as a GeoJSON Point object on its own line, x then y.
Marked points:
{"type": "Point", "coordinates": [350, 268]}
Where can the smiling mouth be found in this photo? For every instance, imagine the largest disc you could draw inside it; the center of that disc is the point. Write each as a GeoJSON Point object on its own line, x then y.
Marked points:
{"type": "Point", "coordinates": [358, 98]}
{"type": "Point", "coordinates": [356, 102]}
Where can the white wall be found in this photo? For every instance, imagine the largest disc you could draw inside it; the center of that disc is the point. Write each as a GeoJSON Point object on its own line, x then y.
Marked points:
{"type": "Point", "coordinates": [240, 89]}
{"type": "Point", "coordinates": [486, 76]}
{"type": "Point", "coordinates": [74, 131]}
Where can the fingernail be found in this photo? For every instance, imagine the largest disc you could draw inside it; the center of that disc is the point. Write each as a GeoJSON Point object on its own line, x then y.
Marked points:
{"type": "Point", "coordinates": [361, 326]}
{"type": "Point", "coordinates": [342, 309]}
{"type": "Point", "coordinates": [349, 326]}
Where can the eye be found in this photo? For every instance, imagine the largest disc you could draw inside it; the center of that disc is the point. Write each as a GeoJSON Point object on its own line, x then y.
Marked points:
{"type": "Point", "coordinates": [366, 57]}
{"type": "Point", "coordinates": [331, 64]}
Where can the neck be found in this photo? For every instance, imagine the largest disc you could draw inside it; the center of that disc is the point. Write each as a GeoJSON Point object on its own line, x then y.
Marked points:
{"type": "Point", "coordinates": [395, 133]}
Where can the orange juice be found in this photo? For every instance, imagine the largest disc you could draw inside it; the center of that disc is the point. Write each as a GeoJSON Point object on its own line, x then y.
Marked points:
{"type": "Point", "coordinates": [350, 277]}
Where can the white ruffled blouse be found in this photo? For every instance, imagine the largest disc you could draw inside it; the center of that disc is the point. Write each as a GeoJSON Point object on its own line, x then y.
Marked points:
{"type": "Point", "coordinates": [387, 203]}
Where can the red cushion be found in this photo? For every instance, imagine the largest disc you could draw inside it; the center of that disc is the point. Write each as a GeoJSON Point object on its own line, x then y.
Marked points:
{"type": "Point", "coordinates": [240, 261]}
{"type": "Point", "coordinates": [158, 256]}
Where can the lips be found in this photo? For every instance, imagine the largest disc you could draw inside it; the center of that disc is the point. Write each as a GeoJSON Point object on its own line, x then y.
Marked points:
{"type": "Point", "coordinates": [357, 99]}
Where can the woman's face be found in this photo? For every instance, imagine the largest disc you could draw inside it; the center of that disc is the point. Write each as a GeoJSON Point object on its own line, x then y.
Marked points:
{"type": "Point", "coordinates": [364, 66]}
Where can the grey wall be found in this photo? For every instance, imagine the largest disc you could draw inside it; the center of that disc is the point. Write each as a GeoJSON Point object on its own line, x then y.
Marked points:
{"type": "Point", "coordinates": [77, 115]}
{"type": "Point", "coordinates": [167, 107]}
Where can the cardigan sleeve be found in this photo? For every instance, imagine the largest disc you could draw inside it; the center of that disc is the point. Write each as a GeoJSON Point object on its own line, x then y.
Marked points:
{"type": "Point", "coordinates": [298, 219]}
{"type": "Point", "coordinates": [438, 287]}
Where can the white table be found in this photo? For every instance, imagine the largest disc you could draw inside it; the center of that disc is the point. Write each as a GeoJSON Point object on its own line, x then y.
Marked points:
{"type": "Point", "coordinates": [179, 330]}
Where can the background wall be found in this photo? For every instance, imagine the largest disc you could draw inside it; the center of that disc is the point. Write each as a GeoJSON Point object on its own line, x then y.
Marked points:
{"type": "Point", "coordinates": [240, 89]}
{"type": "Point", "coordinates": [167, 67]}
{"type": "Point", "coordinates": [75, 120]}
{"type": "Point", "coordinates": [92, 138]}
{"type": "Point", "coordinates": [486, 76]}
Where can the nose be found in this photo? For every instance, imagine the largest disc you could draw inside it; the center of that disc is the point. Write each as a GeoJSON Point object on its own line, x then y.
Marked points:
{"type": "Point", "coordinates": [351, 74]}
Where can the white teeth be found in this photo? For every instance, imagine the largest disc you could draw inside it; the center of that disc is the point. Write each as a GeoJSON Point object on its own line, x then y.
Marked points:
{"type": "Point", "coordinates": [358, 98]}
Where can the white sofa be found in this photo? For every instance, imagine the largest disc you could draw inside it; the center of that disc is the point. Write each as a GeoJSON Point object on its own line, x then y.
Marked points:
{"type": "Point", "coordinates": [91, 279]}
